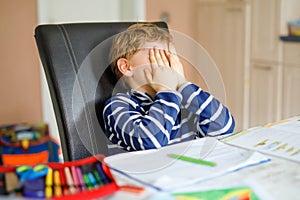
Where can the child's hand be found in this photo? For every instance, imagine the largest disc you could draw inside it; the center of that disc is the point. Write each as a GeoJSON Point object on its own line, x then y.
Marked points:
{"type": "Point", "coordinates": [176, 64]}
{"type": "Point", "coordinates": [161, 76]}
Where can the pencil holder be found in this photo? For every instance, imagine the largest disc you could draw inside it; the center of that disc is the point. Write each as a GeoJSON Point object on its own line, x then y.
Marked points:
{"type": "Point", "coordinates": [81, 179]}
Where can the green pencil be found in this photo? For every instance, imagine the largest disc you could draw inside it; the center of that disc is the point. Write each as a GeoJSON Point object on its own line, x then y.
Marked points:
{"type": "Point", "coordinates": [193, 160]}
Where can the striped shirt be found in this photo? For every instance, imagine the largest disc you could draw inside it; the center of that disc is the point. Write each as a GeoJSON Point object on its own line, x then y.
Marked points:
{"type": "Point", "coordinates": [135, 121]}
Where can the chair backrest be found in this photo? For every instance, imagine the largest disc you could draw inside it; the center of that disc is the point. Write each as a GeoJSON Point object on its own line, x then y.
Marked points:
{"type": "Point", "coordinates": [75, 61]}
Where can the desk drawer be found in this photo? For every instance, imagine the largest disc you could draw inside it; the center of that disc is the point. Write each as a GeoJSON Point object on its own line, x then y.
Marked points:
{"type": "Point", "coordinates": [291, 53]}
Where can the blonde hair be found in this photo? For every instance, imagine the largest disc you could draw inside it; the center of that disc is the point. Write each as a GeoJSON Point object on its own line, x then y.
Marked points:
{"type": "Point", "coordinates": [127, 43]}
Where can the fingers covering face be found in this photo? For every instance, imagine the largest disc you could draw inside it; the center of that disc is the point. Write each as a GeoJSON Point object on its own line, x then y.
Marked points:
{"type": "Point", "coordinates": [159, 58]}
{"type": "Point", "coordinates": [152, 58]}
{"type": "Point", "coordinates": [164, 57]}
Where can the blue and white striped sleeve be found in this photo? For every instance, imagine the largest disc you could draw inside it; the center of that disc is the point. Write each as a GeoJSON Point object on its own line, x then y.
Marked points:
{"type": "Point", "coordinates": [213, 117]}
{"type": "Point", "coordinates": [129, 126]}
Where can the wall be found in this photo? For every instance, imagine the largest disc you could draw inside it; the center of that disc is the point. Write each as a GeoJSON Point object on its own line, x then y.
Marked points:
{"type": "Point", "coordinates": [61, 11]}
{"type": "Point", "coordinates": [181, 14]}
{"type": "Point", "coordinates": [20, 88]}
{"type": "Point", "coordinates": [180, 17]}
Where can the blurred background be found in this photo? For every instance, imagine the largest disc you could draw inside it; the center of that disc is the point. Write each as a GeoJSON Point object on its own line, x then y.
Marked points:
{"type": "Point", "coordinates": [260, 71]}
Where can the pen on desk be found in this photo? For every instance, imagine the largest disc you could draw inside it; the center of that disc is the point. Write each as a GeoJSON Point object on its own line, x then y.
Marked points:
{"type": "Point", "coordinates": [93, 180]}
{"type": "Point", "coordinates": [104, 179]}
{"type": "Point", "coordinates": [69, 180]}
{"type": "Point", "coordinates": [63, 182]}
{"type": "Point", "coordinates": [80, 178]}
{"type": "Point", "coordinates": [75, 178]}
{"type": "Point", "coordinates": [87, 182]}
{"type": "Point", "coordinates": [49, 183]}
{"type": "Point", "coordinates": [98, 178]}
{"type": "Point", "coordinates": [57, 184]}
{"type": "Point", "coordinates": [192, 160]}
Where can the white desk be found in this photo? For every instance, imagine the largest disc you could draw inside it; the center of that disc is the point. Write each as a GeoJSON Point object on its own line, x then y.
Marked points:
{"type": "Point", "coordinates": [276, 179]}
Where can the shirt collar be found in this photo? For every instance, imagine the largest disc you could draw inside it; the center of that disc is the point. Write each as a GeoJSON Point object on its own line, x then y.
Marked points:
{"type": "Point", "coordinates": [141, 96]}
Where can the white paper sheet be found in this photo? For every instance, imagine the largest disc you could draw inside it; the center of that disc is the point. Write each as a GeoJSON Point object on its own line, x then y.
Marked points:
{"type": "Point", "coordinates": [154, 167]}
{"type": "Point", "coordinates": [280, 139]}
{"type": "Point", "coordinates": [275, 180]}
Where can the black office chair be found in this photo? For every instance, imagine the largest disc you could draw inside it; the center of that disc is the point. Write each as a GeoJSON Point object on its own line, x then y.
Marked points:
{"type": "Point", "coordinates": [75, 61]}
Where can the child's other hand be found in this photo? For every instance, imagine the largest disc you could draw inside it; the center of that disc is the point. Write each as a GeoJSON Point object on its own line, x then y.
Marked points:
{"type": "Point", "coordinates": [176, 64]}
{"type": "Point", "coordinates": [161, 76]}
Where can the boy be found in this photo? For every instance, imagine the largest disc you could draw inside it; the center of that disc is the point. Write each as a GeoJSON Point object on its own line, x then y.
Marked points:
{"type": "Point", "coordinates": [161, 107]}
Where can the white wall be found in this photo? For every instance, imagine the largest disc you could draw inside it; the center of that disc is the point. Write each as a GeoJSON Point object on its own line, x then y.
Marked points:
{"type": "Point", "coordinates": [61, 11]}
{"type": "Point", "coordinates": [65, 11]}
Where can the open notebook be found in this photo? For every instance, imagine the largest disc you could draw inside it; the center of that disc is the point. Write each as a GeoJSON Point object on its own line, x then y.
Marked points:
{"type": "Point", "coordinates": [157, 169]}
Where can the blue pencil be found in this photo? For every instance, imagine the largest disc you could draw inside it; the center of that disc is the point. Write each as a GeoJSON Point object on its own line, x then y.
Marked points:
{"type": "Point", "coordinates": [102, 174]}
